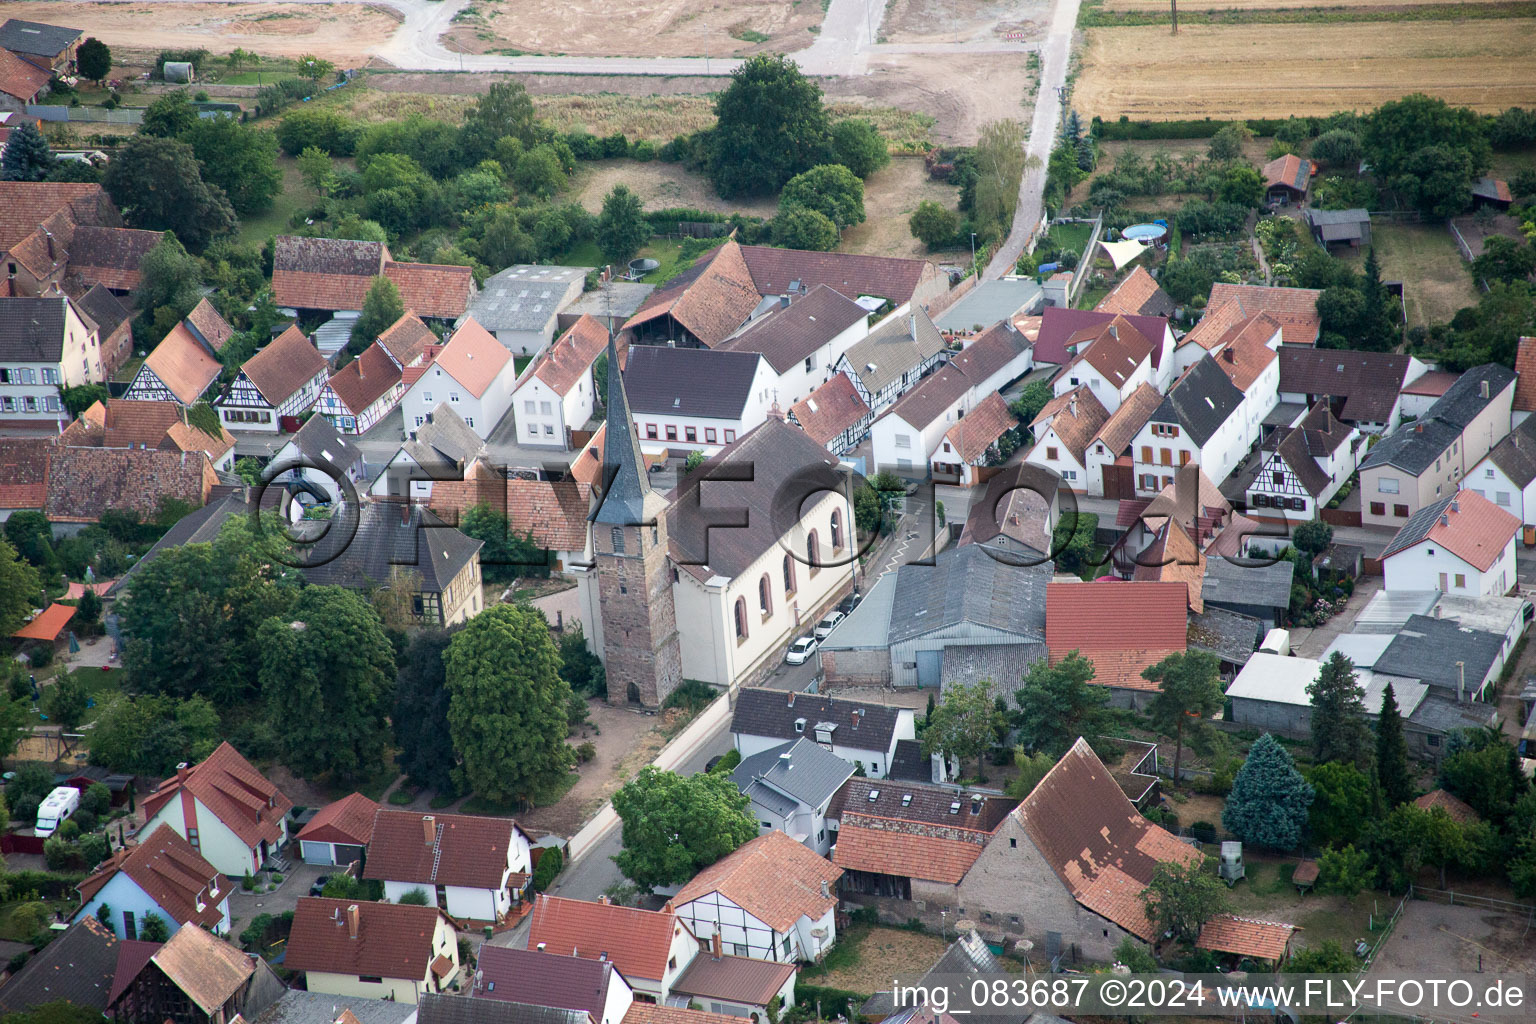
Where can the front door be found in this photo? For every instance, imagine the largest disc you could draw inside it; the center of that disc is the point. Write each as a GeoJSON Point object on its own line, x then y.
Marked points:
{"type": "Point", "coordinates": [928, 663]}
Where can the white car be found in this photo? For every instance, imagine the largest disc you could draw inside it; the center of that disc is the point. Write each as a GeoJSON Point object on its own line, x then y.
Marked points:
{"type": "Point", "coordinates": [825, 625]}
{"type": "Point", "coordinates": [800, 650]}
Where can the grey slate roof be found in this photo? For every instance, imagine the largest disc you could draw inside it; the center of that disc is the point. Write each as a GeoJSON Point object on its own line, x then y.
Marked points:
{"type": "Point", "coordinates": [443, 447]}
{"type": "Point", "coordinates": [618, 299]}
{"type": "Point", "coordinates": [435, 1008]}
{"type": "Point", "coordinates": [1003, 664]}
{"type": "Point", "coordinates": [1339, 225]}
{"type": "Point", "coordinates": [1427, 649]}
{"type": "Point", "coordinates": [105, 308]}
{"type": "Point", "coordinates": [199, 526]}
{"type": "Point", "coordinates": [990, 302]}
{"type": "Point", "coordinates": [1463, 400]}
{"type": "Point", "coordinates": [525, 297]}
{"type": "Point", "coordinates": [867, 626]}
{"type": "Point", "coordinates": [76, 967]}
{"type": "Point", "coordinates": [763, 712]}
{"type": "Point", "coordinates": [1201, 401]}
{"type": "Point", "coordinates": [36, 39]}
{"type": "Point", "coordinates": [32, 330]}
{"type": "Point", "coordinates": [1368, 382]}
{"type": "Point", "coordinates": [1231, 636]}
{"type": "Point", "coordinates": [710, 383]}
{"type": "Point", "coordinates": [1413, 446]}
{"type": "Point", "coordinates": [1263, 586]}
{"type": "Point", "coordinates": [1516, 454]}
{"type": "Point", "coordinates": [544, 979]}
{"type": "Point", "coordinates": [296, 1007]}
{"type": "Point", "coordinates": [909, 764]}
{"type": "Point", "coordinates": [385, 543]}
{"type": "Point", "coordinates": [323, 444]}
{"type": "Point", "coordinates": [898, 345]}
{"type": "Point", "coordinates": [966, 584]}
{"type": "Point", "coordinates": [790, 333]}
{"type": "Point", "coordinates": [1443, 714]}
{"type": "Point", "coordinates": [810, 774]}
{"type": "Point", "coordinates": [625, 482]}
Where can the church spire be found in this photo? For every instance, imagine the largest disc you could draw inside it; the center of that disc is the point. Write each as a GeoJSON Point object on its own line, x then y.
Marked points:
{"type": "Point", "coordinates": [625, 483]}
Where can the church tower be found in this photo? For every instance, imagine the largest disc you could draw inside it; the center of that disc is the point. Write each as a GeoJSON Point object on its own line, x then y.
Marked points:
{"type": "Point", "coordinates": [634, 578]}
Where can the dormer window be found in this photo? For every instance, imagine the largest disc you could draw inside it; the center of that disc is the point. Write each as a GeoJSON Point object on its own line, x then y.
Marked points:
{"type": "Point", "coordinates": [799, 725]}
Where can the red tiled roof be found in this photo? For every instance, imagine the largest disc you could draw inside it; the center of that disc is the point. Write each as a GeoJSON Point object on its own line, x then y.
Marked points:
{"type": "Point", "coordinates": [24, 471]}
{"type": "Point", "coordinates": [19, 78]}
{"type": "Point", "coordinates": [1248, 353]}
{"type": "Point", "coordinates": [235, 792]}
{"type": "Point", "coordinates": [555, 514]}
{"type": "Point", "coordinates": [1128, 420]}
{"type": "Point", "coordinates": [1294, 308]}
{"type": "Point", "coordinates": [773, 270]}
{"type": "Point", "coordinates": [1137, 295]}
{"type": "Point", "coordinates": [983, 425]}
{"type": "Point", "coordinates": [829, 410]}
{"type": "Point", "coordinates": [132, 955]}
{"type": "Point", "coordinates": [773, 878]}
{"type": "Point", "coordinates": [738, 979]}
{"type": "Point", "coordinates": [431, 289]}
{"type": "Point", "coordinates": [1525, 385]}
{"type": "Point", "coordinates": [1289, 170]}
{"type": "Point", "coordinates": [1476, 530]}
{"type": "Point", "coordinates": [205, 319]}
{"type": "Point", "coordinates": [186, 438]}
{"type": "Point", "coordinates": [1122, 627]}
{"type": "Point", "coordinates": [325, 273]}
{"type": "Point", "coordinates": [1058, 324]}
{"type": "Point", "coordinates": [207, 969]}
{"type": "Point", "coordinates": [407, 339]}
{"type": "Point", "coordinates": [1095, 840]}
{"type": "Point", "coordinates": [47, 624]}
{"type": "Point", "coordinates": [1435, 383]}
{"type": "Point", "coordinates": [110, 256]}
{"type": "Point", "coordinates": [85, 482]}
{"type": "Point", "coordinates": [562, 364]}
{"type": "Point", "coordinates": [129, 424]}
{"type": "Point", "coordinates": [1172, 557]}
{"type": "Point", "coordinates": [473, 357]}
{"type": "Point", "coordinates": [365, 379]}
{"type": "Point", "coordinates": [638, 942]}
{"type": "Point", "coordinates": [348, 821]}
{"type": "Point", "coordinates": [465, 850]}
{"type": "Point", "coordinates": [183, 365]}
{"type": "Point", "coordinates": [26, 204]}
{"type": "Point", "coordinates": [655, 1013]}
{"type": "Point", "coordinates": [1076, 416]}
{"type": "Point", "coordinates": [1246, 936]}
{"type": "Point", "coordinates": [1458, 809]}
{"type": "Point", "coordinates": [1115, 348]}
{"type": "Point", "coordinates": [710, 303]}
{"type": "Point", "coordinates": [170, 872]}
{"type": "Point", "coordinates": [909, 849]}
{"type": "Point", "coordinates": [394, 940]}
{"type": "Point", "coordinates": [284, 366]}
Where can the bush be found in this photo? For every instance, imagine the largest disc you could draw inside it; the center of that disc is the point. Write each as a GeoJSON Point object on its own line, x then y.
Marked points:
{"type": "Point", "coordinates": [550, 863]}
{"type": "Point", "coordinates": [729, 762]}
{"type": "Point", "coordinates": [40, 655]}
{"type": "Point", "coordinates": [85, 819]}
{"type": "Point", "coordinates": [586, 751]}
{"type": "Point", "coordinates": [643, 150]}
{"type": "Point", "coordinates": [416, 897]}
{"type": "Point", "coordinates": [1204, 831]}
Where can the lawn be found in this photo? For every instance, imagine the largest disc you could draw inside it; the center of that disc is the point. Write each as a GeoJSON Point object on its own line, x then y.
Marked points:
{"type": "Point", "coordinates": [97, 682]}
{"type": "Point", "coordinates": [295, 196]}
{"type": "Point", "coordinates": [1267, 893]}
{"type": "Point", "coordinates": [669, 253]}
{"type": "Point", "coordinates": [865, 959]}
{"type": "Point", "coordinates": [254, 77]}
{"type": "Point", "coordinates": [520, 363]}
{"type": "Point", "coordinates": [586, 254]}
{"type": "Point", "coordinates": [1436, 281]}
{"type": "Point", "coordinates": [129, 370]}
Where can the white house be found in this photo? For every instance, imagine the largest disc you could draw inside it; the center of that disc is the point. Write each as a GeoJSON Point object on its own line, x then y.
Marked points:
{"type": "Point", "coordinates": [905, 437]}
{"type": "Point", "coordinates": [865, 735]}
{"type": "Point", "coordinates": [1200, 420]}
{"type": "Point", "coordinates": [1113, 359]}
{"type": "Point", "coordinates": [162, 875]}
{"type": "Point", "coordinates": [45, 344]}
{"type": "Point", "coordinates": [440, 447]}
{"type": "Point", "coordinates": [1107, 456]}
{"type": "Point", "coordinates": [1463, 544]}
{"type": "Point", "coordinates": [363, 392]}
{"type": "Point", "coordinates": [1305, 469]}
{"type": "Point", "coordinates": [696, 398]}
{"type": "Point", "coordinates": [555, 394]}
{"type": "Point", "coordinates": [372, 950]}
{"type": "Point", "coordinates": [1063, 431]}
{"type": "Point", "coordinates": [281, 380]}
{"type": "Point", "coordinates": [185, 363]}
{"type": "Point", "coordinates": [224, 809]}
{"type": "Point", "coordinates": [321, 457]}
{"type": "Point", "coordinates": [802, 338]}
{"type": "Point", "coordinates": [473, 373]}
{"type": "Point", "coordinates": [1250, 363]}
{"type": "Point", "coordinates": [1506, 476]}
{"type": "Point", "coordinates": [771, 899]}
{"type": "Point", "coordinates": [791, 786]}
{"type": "Point", "coordinates": [897, 353]}
{"type": "Point", "coordinates": [651, 947]}
{"type": "Point", "coordinates": [474, 868]}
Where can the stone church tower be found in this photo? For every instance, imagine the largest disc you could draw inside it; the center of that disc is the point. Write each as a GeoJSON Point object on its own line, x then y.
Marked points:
{"type": "Point", "coordinates": [634, 577]}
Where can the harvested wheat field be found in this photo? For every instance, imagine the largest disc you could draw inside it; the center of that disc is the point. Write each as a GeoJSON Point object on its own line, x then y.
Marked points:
{"type": "Point", "coordinates": [1279, 70]}
{"type": "Point", "coordinates": [636, 28]}
{"type": "Point", "coordinates": [345, 33]}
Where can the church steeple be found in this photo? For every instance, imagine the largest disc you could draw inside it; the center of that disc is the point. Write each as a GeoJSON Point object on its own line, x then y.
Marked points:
{"type": "Point", "coordinates": [627, 496]}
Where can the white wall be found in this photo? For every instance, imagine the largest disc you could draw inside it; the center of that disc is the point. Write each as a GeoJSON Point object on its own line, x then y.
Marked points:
{"type": "Point", "coordinates": [1065, 464]}
{"type": "Point", "coordinates": [219, 846]}
{"type": "Point", "coordinates": [122, 893]}
{"type": "Point", "coordinates": [741, 934]}
{"type": "Point", "coordinates": [1494, 484]}
{"type": "Point", "coordinates": [797, 381]}
{"type": "Point", "coordinates": [753, 412]}
{"type": "Point", "coordinates": [1083, 372]}
{"type": "Point", "coordinates": [1423, 566]}
{"type": "Point", "coordinates": [543, 417]}
{"type": "Point", "coordinates": [480, 414]}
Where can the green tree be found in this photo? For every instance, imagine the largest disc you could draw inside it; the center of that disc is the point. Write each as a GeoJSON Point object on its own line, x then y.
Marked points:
{"type": "Point", "coordinates": [858, 146]}
{"type": "Point", "coordinates": [327, 675]}
{"type": "Point", "coordinates": [798, 227]}
{"type": "Point", "coordinates": [151, 734]}
{"type": "Point", "coordinates": [1134, 955]}
{"type": "Point", "coordinates": [1483, 769]}
{"type": "Point", "coordinates": [1227, 143]}
{"type": "Point", "coordinates": [1031, 769]}
{"type": "Point", "coordinates": [770, 125]}
{"type": "Point", "coordinates": [830, 189]}
{"type": "Point", "coordinates": [622, 228]}
{"type": "Point", "coordinates": [421, 713]}
{"type": "Point", "coordinates": [65, 701]}
{"type": "Point", "coordinates": [1339, 729]}
{"type": "Point", "coordinates": [673, 827]}
{"type": "Point", "coordinates": [504, 111]}
{"type": "Point", "coordinates": [1243, 186]}
{"type": "Point", "coordinates": [579, 667]}
{"type": "Point", "coordinates": [507, 705]}
{"type": "Point", "coordinates": [239, 159]}
{"type": "Point", "coordinates": [1504, 259]}
{"type": "Point", "coordinates": [152, 928]}
{"type": "Point", "coordinates": [1183, 896]}
{"type": "Point", "coordinates": [321, 127]}
{"type": "Point", "coordinates": [1344, 870]}
{"type": "Point", "coordinates": [79, 397]}
{"type": "Point", "coordinates": [1392, 753]}
{"type": "Point", "coordinates": [1031, 400]}
{"type": "Point", "coordinates": [170, 278]}
{"type": "Point", "coordinates": [1327, 957]}
{"type": "Point", "coordinates": [416, 897]}
{"type": "Point", "coordinates": [317, 169]}
{"type": "Point", "coordinates": [94, 59]}
{"type": "Point", "coordinates": [20, 589]}
{"type": "Point", "coordinates": [934, 225]}
{"type": "Point", "coordinates": [999, 162]}
{"type": "Point", "coordinates": [169, 115]}
{"type": "Point", "coordinates": [314, 68]}
{"type": "Point", "coordinates": [1343, 802]}
{"type": "Point", "coordinates": [27, 155]}
{"type": "Point", "coordinates": [31, 535]}
{"type": "Point", "coordinates": [1189, 691]}
{"type": "Point", "coordinates": [1312, 537]}
{"type": "Point", "coordinates": [1379, 314]}
{"type": "Point", "coordinates": [382, 306]}
{"type": "Point", "coordinates": [538, 173]}
{"type": "Point", "coordinates": [962, 724]}
{"type": "Point", "coordinates": [1339, 148]}
{"type": "Point", "coordinates": [1269, 800]}
{"type": "Point", "coordinates": [158, 185]}
{"type": "Point", "coordinates": [1397, 130]}
{"type": "Point", "coordinates": [507, 554]}
{"type": "Point", "coordinates": [1437, 180]}
{"type": "Point", "coordinates": [1058, 703]}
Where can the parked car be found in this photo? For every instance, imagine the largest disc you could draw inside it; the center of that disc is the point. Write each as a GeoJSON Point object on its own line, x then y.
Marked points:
{"type": "Point", "coordinates": [826, 625]}
{"type": "Point", "coordinates": [801, 650]}
{"type": "Point", "coordinates": [319, 886]}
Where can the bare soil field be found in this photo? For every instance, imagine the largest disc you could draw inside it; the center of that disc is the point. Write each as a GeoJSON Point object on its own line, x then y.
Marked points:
{"type": "Point", "coordinates": [890, 196]}
{"type": "Point", "coordinates": [1278, 70]}
{"type": "Point", "coordinates": [636, 28]}
{"type": "Point", "coordinates": [962, 95]}
{"type": "Point", "coordinates": [346, 34]}
{"type": "Point", "coordinates": [927, 21]}
{"type": "Point", "coordinates": [1434, 940]}
{"type": "Point", "coordinates": [659, 186]}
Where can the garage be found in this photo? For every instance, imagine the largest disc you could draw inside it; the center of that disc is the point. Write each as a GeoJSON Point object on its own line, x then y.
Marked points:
{"type": "Point", "coordinates": [338, 834]}
{"type": "Point", "coordinates": [326, 854]}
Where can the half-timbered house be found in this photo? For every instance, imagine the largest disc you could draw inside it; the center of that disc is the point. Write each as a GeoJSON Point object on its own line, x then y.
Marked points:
{"type": "Point", "coordinates": [891, 360]}
{"type": "Point", "coordinates": [281, 380]}
{"type": "Point", "coordinates": [1307, 466]}
{"type": "Point", "coordinates": [363, 392]}
{"type": "Point", "coordinates": [186, 362]}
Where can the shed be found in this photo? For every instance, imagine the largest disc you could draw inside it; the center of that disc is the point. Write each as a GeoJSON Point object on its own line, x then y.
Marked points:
{"type": "Point", "coordinates": [338, 833]}
{"type": "Point", "coordinates": [1340, 227]}
{"type": "Point", "coordinates": [991, 302]}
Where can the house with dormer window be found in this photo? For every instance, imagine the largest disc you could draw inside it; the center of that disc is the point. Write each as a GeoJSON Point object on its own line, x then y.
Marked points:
{"type": "Point", "coordinates": [163, 876]}
{"type": "Point", "coordinates": [225, 810]}
{"type": "Point", "coordinates": [282, 380]}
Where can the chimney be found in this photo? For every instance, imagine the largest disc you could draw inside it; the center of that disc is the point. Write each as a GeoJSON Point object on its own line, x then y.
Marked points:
{"type": "Point", "coordinates": [429, 828]}
{"type": "Point", "coordinates": [352, 921]}
{"type": "Point", "coordinates": [1226, 354]}
{"type": "Point", "coordinates": [1418, 428]}
{"type": "Point", "coordinates": [539, 947]}
{"type": "Point", "coordinates": [1482, 386]}
{"type": "Point", "coordinates": [603, 900]}
{"type": "Point", "coordinates": [825, 892]}
{"type": "Point", "coordinates": [182, 771]}
{"type": "Point", "coordinates": [714, 945]}
{"type": "Point", "coordinates": [785, 761]}
{"type": "Point", "coordinates": [791, 698]}
{"type": "Point", "coordinates": [912, 326]}
{"type": "Point", "coordinates": [1455, 504]}
{"type": "Point", "coordinates": [1444, 519]}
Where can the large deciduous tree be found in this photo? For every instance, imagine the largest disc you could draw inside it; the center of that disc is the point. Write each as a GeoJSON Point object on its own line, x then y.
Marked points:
{"type": "Point", "coordinates": [770, 125]}
{"type": "Point", "coordinates": [1396, 130]}
{"type": "Point", "coordinates": [673, 826]}
{"type": "Point", "coordinates": [1189, 690]}
{"type": "Point", "coordinates": [830, 189]}
{"type": "Point", "coordinates": [158, 185]}
{"type": "Point", "coordinates": [94, 59]}
{"type": "Point", "coordinates": [1344, 801]}
{"type": "Point", "coordinates": [168, 116]}
{"type": "Point", "coordinates": [1058, 703]}
{"type": "Point", "coordinates": [507, 705]}
{"type": "Point", "coordinates": [421, 712]}
{"type": "Point", "coordinates": [382, 306]}
{"type": "Point", "coordinates": [800, 227]}
{"type": "Point", "coordinates": [963, 724]}
{"type": "Point", "coordinates": [621, 228]}
{"type": "Point", "coordinates": [1269, 802]}
{"type": "Point", "coordinates": [20, 589]}
{"type": "Point", "coordinates": [1339, 729]}
{"type": "Point", "coordinates": [858, 145]}
{"type": "Point", "coordinates": [327, 677]}
{"type": "Point", "coordinates": [504, 111]}
{"type": "Point", "coordinates": [239, 159]}
{"type": "Point", "coordinates": [170, 280]}
{"type": "Point", "coordinates": [934, 225]}
{"type": "Point", "coordinates": [1183, 896]}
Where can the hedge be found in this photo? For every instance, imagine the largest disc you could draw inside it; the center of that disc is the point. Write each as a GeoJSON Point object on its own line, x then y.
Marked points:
{"type": "Point", "coordinates": [52, 885]}
{"type": "Point", "coordinates": [1127, 130]}
{"type": "Point", "coordinates": [831, 1003]}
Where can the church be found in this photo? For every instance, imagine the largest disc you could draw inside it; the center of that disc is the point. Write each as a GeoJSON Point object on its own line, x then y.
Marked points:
{"type": "Point", "coordinates": [711, 581]}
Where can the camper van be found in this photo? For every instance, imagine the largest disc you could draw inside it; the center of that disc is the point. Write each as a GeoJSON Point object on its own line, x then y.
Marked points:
{"type": "Point", "coordinates": [61, 803]}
